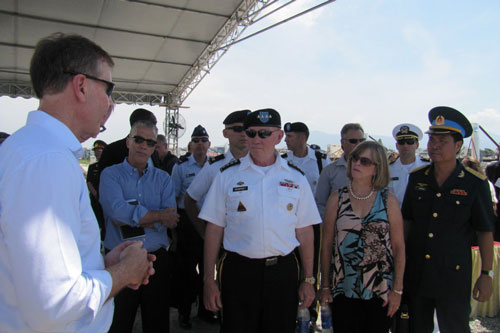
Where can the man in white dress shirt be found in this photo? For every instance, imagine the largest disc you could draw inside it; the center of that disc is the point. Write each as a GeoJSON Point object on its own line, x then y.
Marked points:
{"type": "Point", "coordinates": [407, 137]}
{"type": "Point", "coordinates": [53, 276]}
{"type": "Point", "coordinates": [262, 207]}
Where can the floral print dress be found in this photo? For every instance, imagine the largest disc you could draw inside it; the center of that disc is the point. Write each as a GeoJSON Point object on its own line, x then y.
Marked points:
{"type": "Point", "coordinates": [362, 255]}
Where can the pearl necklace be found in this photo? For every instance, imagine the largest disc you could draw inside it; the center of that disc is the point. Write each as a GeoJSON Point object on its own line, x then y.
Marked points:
{"type": "Point", "coordinates": [361, 198]}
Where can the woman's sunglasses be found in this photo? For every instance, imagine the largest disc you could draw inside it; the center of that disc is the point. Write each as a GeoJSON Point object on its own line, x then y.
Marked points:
{"type": "Point", "coordinates": [363, 160]}
{"type": "Point", "coordinates": [196, 140]}
{"type": "Point", "coordinates": [139, 139]}
{"type": "Point", "coordinates": [263, 134]}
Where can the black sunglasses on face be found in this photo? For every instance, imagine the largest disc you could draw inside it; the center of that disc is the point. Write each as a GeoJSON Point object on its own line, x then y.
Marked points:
{"type": "Point", "coordinates": [196, 140]}
{"type": "Point", "coordinates": [354, 141]}
{"type": "Point", "coordinates": [363, 160]}
{"type": "Point", "coordinates": [263, 134]}
{"type": "Point", "coordinates": [139, 139]}
{"type": "Point", "coordinates": [237, 129]}
{"type": "Point", "coordinates": [109, 85]}
{"type": "Point", "coordinates": [406, 141]}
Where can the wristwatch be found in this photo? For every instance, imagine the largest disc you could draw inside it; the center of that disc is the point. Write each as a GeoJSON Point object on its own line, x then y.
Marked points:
{"type": "Point", "coordinates": [490, 273]}
{"type": "Point", "coordinates": [311, 280]}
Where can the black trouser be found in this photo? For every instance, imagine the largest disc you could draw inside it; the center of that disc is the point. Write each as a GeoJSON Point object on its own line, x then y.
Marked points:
{"type": "Point", "coordinates": [258, 295]}
{"type": "Point", "coordinates": [153, 299]}
{"type": "Point", "coordinates": [190, 255]}
{"type": "Point", "coordinates": [452, 316]}
{"type": "Point", "coordinates": [352, 315]}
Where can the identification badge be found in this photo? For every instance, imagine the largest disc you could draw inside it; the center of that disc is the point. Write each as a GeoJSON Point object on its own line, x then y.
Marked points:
{"type": "Point", "coordinates": [240, 188]}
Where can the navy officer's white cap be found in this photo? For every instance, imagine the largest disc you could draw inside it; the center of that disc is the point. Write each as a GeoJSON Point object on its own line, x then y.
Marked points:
{"type": "Point", "coordinates": [407, 131]}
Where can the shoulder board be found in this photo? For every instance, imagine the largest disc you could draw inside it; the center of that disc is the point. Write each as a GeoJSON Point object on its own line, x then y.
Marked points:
{"type": "Point", "coordinates": [391, 163]}
{"type": "Point", "coordinates": [476, 173]}
{"type": "Point", "coordinates": [293, 166]}
{"type": "Point", "coordinates": [212, 160]}
{"type": "Point", "coordinates": [424, 159]}
{"type": "Point", "coordinates": [420, 168]}
{"type": "Point", "coordinates": [285, 155]}
{"type": "Point", "coordinates": [320, 155]}
{"type": "Point", "coordinates": [230, 164]}
{"type": "Point", "coordinates": [183, 159]}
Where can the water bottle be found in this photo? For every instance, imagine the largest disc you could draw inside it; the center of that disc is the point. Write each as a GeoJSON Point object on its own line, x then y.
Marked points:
{"type": "Point", "coordinates": [303, 319]}
{"type": "Point", "coordinates": [326, 319]}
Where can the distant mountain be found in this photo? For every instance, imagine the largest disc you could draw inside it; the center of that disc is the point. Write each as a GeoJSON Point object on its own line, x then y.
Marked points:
{"type": "Point", "coordinates": [324, 139]}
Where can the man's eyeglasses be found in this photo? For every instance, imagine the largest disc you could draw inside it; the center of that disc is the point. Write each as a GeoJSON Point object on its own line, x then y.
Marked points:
{"type": "Point", "coordinates": [203, 139]}
{"type": "Point", "coordinates": [406, 141]}
{"type": "Point", "coordinates": [263, 134]}
{"type": "Point", "coordinates": [237, 129]}
{"type": "Point", "coordinates": [355, 141]}
{"type": "Point", "coordinates": [139, 139]}
{"type": "Point", "coordinates": [365, 161]}
{"type": "Point", "coordinates": [109, 85]}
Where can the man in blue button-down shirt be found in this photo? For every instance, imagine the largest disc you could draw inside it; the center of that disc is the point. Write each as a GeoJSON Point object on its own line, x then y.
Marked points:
{"type": "Point", "coordinates": [139, 203]}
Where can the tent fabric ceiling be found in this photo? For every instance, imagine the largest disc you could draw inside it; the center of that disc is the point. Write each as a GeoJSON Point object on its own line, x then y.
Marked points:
{"type": "Point", "coordinates": [156, 44]}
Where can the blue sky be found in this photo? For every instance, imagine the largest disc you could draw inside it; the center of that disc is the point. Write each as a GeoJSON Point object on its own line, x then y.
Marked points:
{"type": "Point", "coordinates": [376, 62]}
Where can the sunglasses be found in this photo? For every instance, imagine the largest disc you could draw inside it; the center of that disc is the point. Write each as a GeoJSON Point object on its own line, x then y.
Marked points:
{"type": "Point", "coordinates": [196, 140]}
{"type": "Point", "coordinates": [363, 160]}
{"type": "Point", "coordinates": [139, 139]}
{"type": "Point", "coordinates": [237, 129]}
{"type": "Point", "coordinates": [110, 86]}
{"type": "Point", "coordinates": [406, 141]}
{"type": "Point", "coordinates": [354, 141]}
{"type": "Point", "coordinates": [263, 134]}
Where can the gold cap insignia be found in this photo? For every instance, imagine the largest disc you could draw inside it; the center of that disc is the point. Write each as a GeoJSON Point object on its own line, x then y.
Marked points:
{"type": "Point", "coordinates": [440, 120]}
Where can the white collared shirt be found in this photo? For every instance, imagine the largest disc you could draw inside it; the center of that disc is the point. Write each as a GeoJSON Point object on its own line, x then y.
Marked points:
{"type": "Point", "coordinates": [260, 210]}
{"type": "Point", "coordinates": [52, 273]}
{"type": "Point", "coordinates": [399, 173]}
{"type": "Point", "coordinates": [309, 164]}
{"type": "Point", "coordinates": [202, 181]}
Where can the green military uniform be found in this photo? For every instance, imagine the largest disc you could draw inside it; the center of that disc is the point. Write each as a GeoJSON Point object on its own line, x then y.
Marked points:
{"type": "Point", "coordinates": [443, 222]}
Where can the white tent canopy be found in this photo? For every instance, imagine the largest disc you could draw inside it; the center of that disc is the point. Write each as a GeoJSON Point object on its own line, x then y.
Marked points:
{"type": "Point", "coordinates": [162, 48]}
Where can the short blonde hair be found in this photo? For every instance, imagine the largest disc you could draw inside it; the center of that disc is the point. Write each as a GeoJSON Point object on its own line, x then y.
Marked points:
{"type": "Point", "coordinates": [381, 178]}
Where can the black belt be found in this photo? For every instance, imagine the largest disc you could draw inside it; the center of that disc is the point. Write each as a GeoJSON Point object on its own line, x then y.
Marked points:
{"type": "Point", "coordinates": [269, 261]}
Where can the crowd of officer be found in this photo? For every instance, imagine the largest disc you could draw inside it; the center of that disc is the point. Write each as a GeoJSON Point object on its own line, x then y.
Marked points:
{"type": "Point", "coordinates": [246, 248]}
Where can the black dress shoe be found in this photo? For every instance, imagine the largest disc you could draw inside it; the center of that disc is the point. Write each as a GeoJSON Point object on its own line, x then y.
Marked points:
{"type": "Point", "coordinates": [185, 322]}
{"type": "Point", "coordinates": [209, 317]}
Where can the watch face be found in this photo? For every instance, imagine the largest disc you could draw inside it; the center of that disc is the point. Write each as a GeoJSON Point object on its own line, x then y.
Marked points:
{"type": "Point", "coordinates": [491, 274]}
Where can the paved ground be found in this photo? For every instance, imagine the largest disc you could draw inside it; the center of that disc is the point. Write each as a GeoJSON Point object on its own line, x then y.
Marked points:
{"type": "Point", "coordinates": [199, 326]}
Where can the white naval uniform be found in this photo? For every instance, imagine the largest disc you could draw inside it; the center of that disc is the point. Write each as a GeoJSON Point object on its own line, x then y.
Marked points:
{"type": "Point", "coordinates": [201, 183]}
{"type": "Point", "coordinates": [399, 177]}
{"type": "Point", "coordinates": [309, 164]}
{"type": "Point", "coordinates": [260, 210]}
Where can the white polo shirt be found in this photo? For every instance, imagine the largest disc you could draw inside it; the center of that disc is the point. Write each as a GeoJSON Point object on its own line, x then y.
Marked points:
{"type": "Point", "coordinates": [260, 208]}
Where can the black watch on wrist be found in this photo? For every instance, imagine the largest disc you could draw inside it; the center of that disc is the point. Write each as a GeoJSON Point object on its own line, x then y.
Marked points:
{"type": "Point", "coordinates": [490, 273]}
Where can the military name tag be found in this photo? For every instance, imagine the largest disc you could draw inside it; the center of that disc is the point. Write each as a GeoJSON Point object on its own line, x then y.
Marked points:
{"type": "Point", "coordinates": [240, 188]}
{"type": "Point", "coordinates": [395, 178]}
{"type": "Point", "coordinates": [190, 175]}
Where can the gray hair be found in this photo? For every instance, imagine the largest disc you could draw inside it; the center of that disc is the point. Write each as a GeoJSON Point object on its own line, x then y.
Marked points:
{"type": "Point", "coordinates": [142, 123]}
{"type": "Point", "coordinates": [350, 126]}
